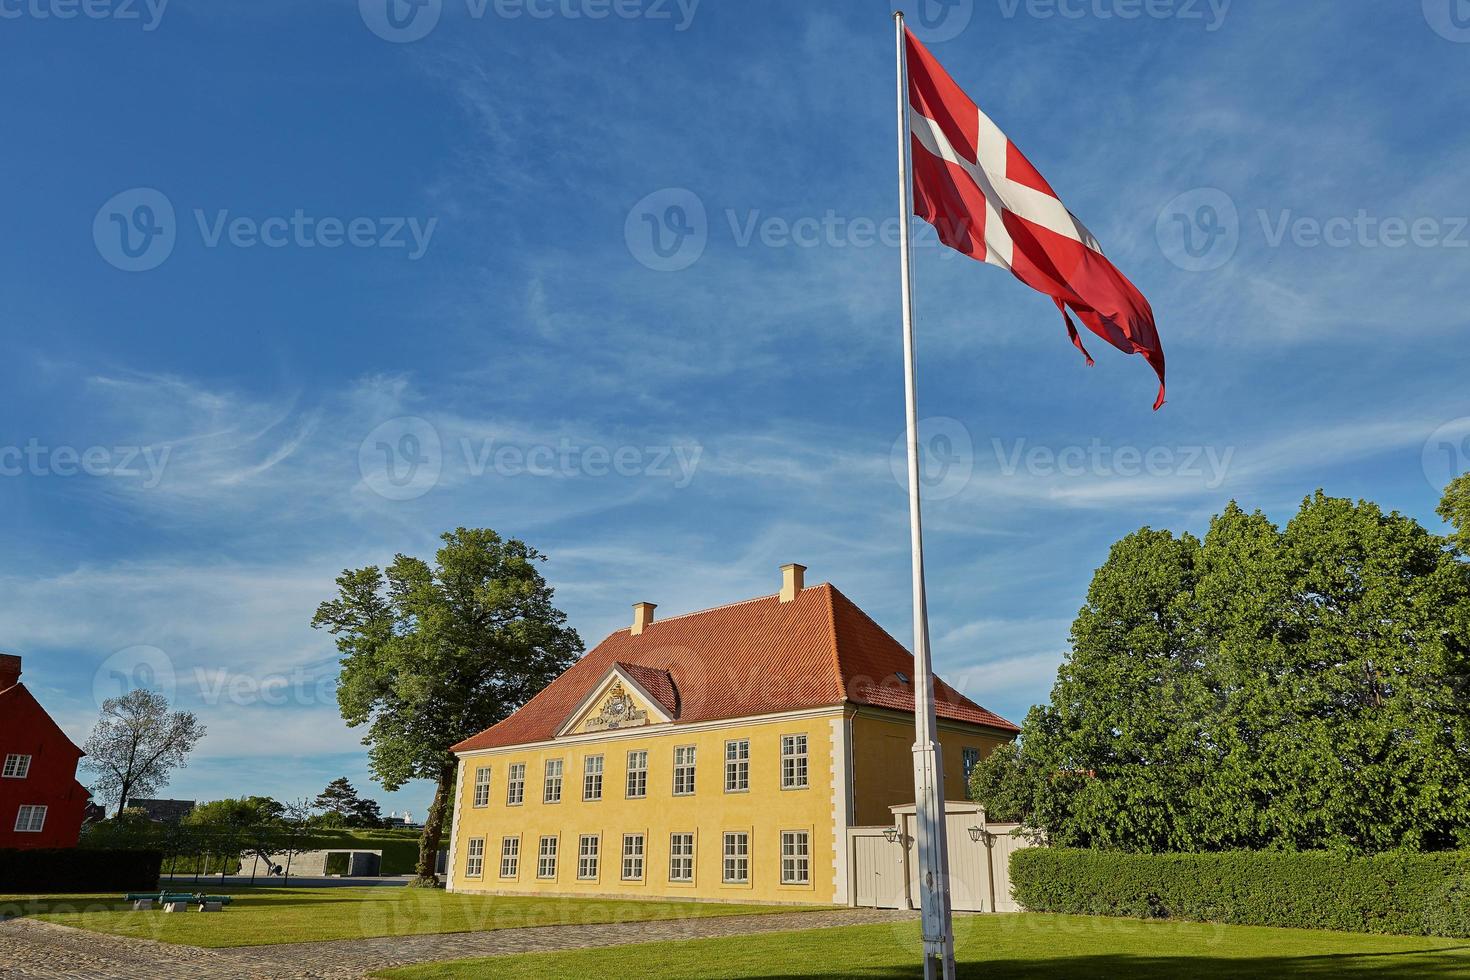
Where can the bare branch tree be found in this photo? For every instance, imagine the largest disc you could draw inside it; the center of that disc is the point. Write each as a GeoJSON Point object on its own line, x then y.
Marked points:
{"type": "Point", "coordinates": [137, 744]}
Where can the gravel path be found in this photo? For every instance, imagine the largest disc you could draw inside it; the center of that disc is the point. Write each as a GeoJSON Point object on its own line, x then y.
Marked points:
{"type": "Point", "coordinates": [33, 950]}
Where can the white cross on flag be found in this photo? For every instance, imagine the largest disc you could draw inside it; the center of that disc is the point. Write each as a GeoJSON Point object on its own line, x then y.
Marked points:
{"type": "Point", "coordinates": [985, 199]}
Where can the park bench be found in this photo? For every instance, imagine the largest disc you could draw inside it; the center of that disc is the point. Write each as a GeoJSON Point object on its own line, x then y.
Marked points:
{"type": "Point", "coordinates": [177, 901]}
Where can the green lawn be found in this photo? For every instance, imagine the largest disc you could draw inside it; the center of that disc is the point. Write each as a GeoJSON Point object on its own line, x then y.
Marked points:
{"type": "Point", "coordinates": [260, 916]}
{"type": "Point", "coordinates": [1004, 947]}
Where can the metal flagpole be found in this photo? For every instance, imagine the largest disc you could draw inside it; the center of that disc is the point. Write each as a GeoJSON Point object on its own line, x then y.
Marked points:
{"type": "Point", "coordinates": [928, 774]}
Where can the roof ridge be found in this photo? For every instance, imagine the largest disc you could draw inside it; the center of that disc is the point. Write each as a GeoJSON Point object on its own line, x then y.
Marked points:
{"type": "Point", "coordinates": [701, 612]}
{"type": "Point", "coordinates": [832, 632]}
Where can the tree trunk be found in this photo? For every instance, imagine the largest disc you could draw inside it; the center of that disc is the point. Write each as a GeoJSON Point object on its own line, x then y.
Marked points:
{"type": "Point", "coordinates": [434, 827]}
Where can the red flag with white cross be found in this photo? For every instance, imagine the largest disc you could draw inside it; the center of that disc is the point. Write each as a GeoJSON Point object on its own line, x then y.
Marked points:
{"type": "Point", "coordinates": [985, 199]}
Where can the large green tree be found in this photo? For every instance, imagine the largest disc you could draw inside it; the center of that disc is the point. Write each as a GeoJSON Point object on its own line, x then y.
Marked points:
{"type": "Point", "coordinates": [433, 654]}
{"type": "Point", "coordinates": [1299, 687]}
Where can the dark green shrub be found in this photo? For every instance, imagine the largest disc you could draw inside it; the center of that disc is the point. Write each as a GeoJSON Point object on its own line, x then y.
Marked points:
{"type": "Point", "coordinates": [1407, 894]}
{"type": "Point", "coordinates": [72, 869]}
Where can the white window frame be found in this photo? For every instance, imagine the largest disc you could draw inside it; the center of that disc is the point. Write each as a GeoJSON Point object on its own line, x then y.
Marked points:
{"type": "Point", "coordinates": [795, 762]}
{"type": "Point", "coordinates": [592, 768]}
{"type": "Point", "coordinates": [635, 851]}
{"type": "Point", "coordinates": [474, 859]}
{"type": "Point", "coordinates": [26, 818]}
{"type": "Point", "coordinates": [552, 782]}
{"type": "Point", "coordinates": [681, 858]}
{"type": "Point", "coordinates": [588, 858]}
{"type": "Point", "coordinates": [510, 857]}
{"type": "Point", "coordinates": [737, 765]}
{"type": "Point", "coordinates": [969, 759]}
{"type": "Point", "coordinates": [482, 787]}
{"type": "Point", "coordinates": [636, 787]}
{"type": "Point", "coordinates": [515, 784]}
{"type": "Point", "coordinates": [685, 761]}
{"type": "Point", "coordinates": [546, 857]}
{"type": "Point", "coordinates": [17, 766]}
{"type": "Point", "coordinates": [735, 863]}
{"type": "Point", "coordinates": [796, 857]}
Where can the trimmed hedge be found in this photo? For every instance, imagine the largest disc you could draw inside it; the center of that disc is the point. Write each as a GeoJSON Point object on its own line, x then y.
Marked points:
{"type": "Point", "coordinates": [71, 869]}
{"type": "Point", "coordinates": [1405, 894]}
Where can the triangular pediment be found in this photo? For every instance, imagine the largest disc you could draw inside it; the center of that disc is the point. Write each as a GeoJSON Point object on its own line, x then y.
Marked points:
{"type": "Point", "coordinates": [620, 701]}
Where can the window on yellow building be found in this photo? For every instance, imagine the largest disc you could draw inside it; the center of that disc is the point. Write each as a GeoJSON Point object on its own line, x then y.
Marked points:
{"type": "Point", "coordinates": [551, 792]}
{"type": "Point", "coordinates": [474, 862]}
{"type": "Point", "coordinates": [632, 857]}
{"type": "Point", "coordinates": [796, 857]}
{"type": "Point", "coordinates": [510, 857]}
{"type": "Point", "coordinates": [737, 859]}
{"type": "Point", "coordinates": [515, 784]}
{"type": "Point", "coordinates": [737, 766]}
{"type": "Point", "coordinates": [637, 775]}
{"type": "Point", "coordinates": [681, 857]}
{"type": "Point", "coordinates": [793, 762]}
{"type": "Point", "coordinates": [588, 847]}
{"type": "Point", "coordinates": [592, 778]}
{"type": "Point", "coordinates": [546, 858]}
{"type": "Point", "coordinates": [683, 770]}
{"type": "Point", "coordinates": [482, 786]}
{"type": "Point", "coordinates": [970, 758]}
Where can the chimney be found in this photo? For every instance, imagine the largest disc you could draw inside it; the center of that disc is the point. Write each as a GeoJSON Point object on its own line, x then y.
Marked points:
{"type": "Point", "coordinates": [642, 616]}
{"type": "Point", "coordinates": [9, 670]}
{"type": "Point", "coordinates": [793, 580]}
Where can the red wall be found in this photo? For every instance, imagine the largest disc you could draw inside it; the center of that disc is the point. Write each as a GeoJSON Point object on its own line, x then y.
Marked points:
{"type": "Point", "coordinates": [26, 729]}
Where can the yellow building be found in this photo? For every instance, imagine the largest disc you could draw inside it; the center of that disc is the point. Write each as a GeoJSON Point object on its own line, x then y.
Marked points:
{"type": "Point", "coordinates": [720, 755]}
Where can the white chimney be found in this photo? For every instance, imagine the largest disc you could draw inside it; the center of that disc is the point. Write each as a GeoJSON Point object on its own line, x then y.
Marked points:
{"type": "Point", "coordinates": [642, 616]}
{"type": "Point", "coordinates": [793, 580]}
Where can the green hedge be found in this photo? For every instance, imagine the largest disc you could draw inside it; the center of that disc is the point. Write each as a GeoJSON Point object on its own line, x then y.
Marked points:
{"type": "Point", "coordinates": [57, 869]}
{"type": "Point", "coordinates": [1406, 894]}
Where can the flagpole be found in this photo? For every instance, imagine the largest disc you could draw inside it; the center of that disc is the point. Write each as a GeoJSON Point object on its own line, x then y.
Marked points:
{"type": "Point", "coordinates": [929, 820]}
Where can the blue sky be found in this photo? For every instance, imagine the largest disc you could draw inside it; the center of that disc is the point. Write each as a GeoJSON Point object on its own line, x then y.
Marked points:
{"type": "Point", "coordinates": [412, 284]}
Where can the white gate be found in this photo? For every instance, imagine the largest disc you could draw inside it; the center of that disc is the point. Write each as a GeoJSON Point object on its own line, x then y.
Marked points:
{"type": "Point", "coordinates": [877, 870]}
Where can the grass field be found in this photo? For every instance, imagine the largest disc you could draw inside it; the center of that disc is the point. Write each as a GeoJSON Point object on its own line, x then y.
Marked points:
{"type": "Point", "coordinates": [1003, 947]}
{"type": "Point", "coordinates": [260, 916]}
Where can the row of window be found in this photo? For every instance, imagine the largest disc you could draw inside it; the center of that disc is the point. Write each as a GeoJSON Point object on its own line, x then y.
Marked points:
{"type": "Point", "coordinates": [794, 771]}
{"type": "Point", "coordinates": [30, 820]}
{"type": "Point", "coordinates": [16, 767]}
{"type": "Point", "coordinates": [735, 864]}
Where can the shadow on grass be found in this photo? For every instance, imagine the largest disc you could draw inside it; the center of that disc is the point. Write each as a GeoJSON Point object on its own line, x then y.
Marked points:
{"type": "Point", "coordinates": [1419, 964]}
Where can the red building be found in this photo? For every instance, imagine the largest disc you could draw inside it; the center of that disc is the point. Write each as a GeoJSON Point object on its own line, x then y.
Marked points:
{"type": "Point", "coordinates": [41, 802]}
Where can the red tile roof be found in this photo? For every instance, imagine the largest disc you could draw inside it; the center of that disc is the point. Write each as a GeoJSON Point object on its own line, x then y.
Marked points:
{"type": "Point", "coordinates": [749, 658]}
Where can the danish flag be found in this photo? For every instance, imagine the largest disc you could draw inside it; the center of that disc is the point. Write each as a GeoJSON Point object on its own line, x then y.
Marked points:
{"type": "Point", "coordinates": [985, 199]}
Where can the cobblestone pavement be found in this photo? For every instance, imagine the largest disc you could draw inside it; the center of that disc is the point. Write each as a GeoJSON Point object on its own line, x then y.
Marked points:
{"type": "Point", "coordinates": [33, 950]}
